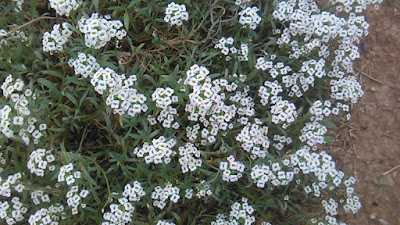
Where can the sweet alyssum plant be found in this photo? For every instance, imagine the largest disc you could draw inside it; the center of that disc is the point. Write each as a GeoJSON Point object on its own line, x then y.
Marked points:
{"type": "Point", "coordinates": [186, 112]}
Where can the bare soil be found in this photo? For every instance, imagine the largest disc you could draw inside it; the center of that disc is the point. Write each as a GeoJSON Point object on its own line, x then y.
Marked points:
{"type": "Point", "coordinates": [369, 144]}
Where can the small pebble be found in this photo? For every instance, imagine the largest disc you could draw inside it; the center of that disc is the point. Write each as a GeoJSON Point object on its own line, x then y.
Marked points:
{"type": "Point", "coordinates": [383, 221]}
{"type": "Point", "coordinates": [372, 216]}
{"type": "Point", "coordinates": [365, 47]}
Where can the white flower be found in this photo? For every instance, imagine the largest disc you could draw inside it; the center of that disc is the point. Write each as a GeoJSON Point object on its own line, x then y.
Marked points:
{"type": "Point", "coordinates": [64, 7]}
{"type": "Point", "coordinates": [175, 14]}
{"type": "Point", "coordinates": [54, 41]}
{"type": "Point", "coordinates": [249, 17]}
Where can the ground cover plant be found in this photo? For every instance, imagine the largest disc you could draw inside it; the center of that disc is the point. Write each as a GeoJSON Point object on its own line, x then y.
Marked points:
{"type": "Point", "coordinates": [186, 112]}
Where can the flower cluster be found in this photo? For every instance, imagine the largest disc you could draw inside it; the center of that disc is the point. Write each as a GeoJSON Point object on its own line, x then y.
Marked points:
{"type": "Point", "coordinates": [54, 41]}
{"type": "Point", "coordinates": [240, 212]}
{"type": "Point", "coordinates": [133, 192]}
{"type": "Point", "coordinates": [313, 68]}
{"type": "Point", "coordinates": [39, 162]}
{"type": "Point", "coordinates": [161, 195]}
{"type": "Point", "coordinates": [260, 175]}
{"type": "Point", "coordinates": [253, 139]}
{"type": "Point", "coordinates": [242, 3]}
{"type": "Point", "coordinates": [320, 109]}
{"type": "Point", "coordinates": [15, 118]}
{"type": "Point", "coordinates": [84, 65]}
{"type": "Point", "coordinates": [226, 45]}
{"type": "Point", "coordinates": [163, 222]}
{"type": "Point", "coordinates": [12, 214]}
{"type": "Point", "coordinates": [164, 97]}
{"type": "Point", "coordinates": [175, 14]}
{"type": "Point", "coordinates": [232, 170]}
{"type": "Point", "coordinates": [75, 198]}
{"type": "Point", "coordinates": [98, 30]}
{"type": "Point", "coordinates": [159, 151]}
{"type": "Point", "coordinates": [122, 212]}
{"type": "Point", "coordinates": [38, 196]}
{"type": "Point", "coordinates": [347, 89]}
{"type": "Point", "coordinates": [274, 70]}
{"type": "Point", "coordinates": [50, 215]}
{"type": "Point", "coordinates": [64, 7]}
{"type": "Point", "coordinates": [120, 94]}
{"type": "Point", "coordinates": [283, 111]}
{"type": "Point", "coordinates": [12, 181]}
{"type": "Point", "coordinates": [313, 133]}
{"type": "Point", "coordinates": [269, 92]}
{"type": "Point", "coordinates": [189, 157]}
{"type": "Point", "coordinates": [203, 189]}
{"type": "Point", "coordinates": [249, 17]}
{"type": "Point", "coordinates": [281, 141]}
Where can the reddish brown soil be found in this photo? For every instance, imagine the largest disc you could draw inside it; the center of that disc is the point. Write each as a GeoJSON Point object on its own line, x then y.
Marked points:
{"type": "Point", "coordinates": [369, 144]}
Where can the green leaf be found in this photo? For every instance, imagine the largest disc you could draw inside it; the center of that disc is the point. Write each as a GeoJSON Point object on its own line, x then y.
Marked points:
{"type": "Point", "coordinates": [126, 21]}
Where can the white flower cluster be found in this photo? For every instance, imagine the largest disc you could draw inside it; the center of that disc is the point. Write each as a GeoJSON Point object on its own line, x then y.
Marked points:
{"type": "Point", "coordinates": [98, 30]}
{"type": "Point", "coordinates": [313, 133]}
{"type": "Point", "coordinates": [189, 157]}
{"type": "Point", "coordinates": [12, 181]}
{"type": "Point", "coordinates": [161, 195]}
{"type": "Point", "coordinates": [232, 170]}
{"type": "Point", "coordinates": [14, 118]}
{"type": "Point", "coordinates": [64, 7]}
{"type": "Point", "coordinates": [51, 215]}
{"type": "Point", "coordinates": [122, 212]}
{"type": "Point", "coordinates": [320, 109]}
{"type": "Point", "coordinates": [38, 196]}
{"type": "Point", "coordinates": [75, 198]}
{"type": "Point", "coordinates": [195, 75]}
{"type": "Point", "coordinates": [133, 192]}
{"type": "Point", "coordinates": [163, 222]}
{"type": "Point", "coordinates": [282, 141]}
{"type": "Point", "coordinates": [121, 96]}
{"type": "Point", "coordinates": [253, 139]}
{"type": "Point", "coordinates": [12, 214]}
{"type": "Point", "coordinates": [307, 23]}
{"type": "Point", "coordinates": [85, 65]}
{"type": "Point", "coordinates": [347, 89]}
{"type": "Point", "coordinates": [242, 3]}
{"type": "Point", "coordinates": [67, 175]}
{"type": "Point", "coordinates": [203, 189]}
{"type": "Point", "coordinates": [356, 6]}
{"type": "Point", "coordinates": [313, 68]}
{"type": "Point", "coordinates": [159, 151]}
{"type": "Point", "coordinates": [330, 206]}
{"type": "Point", "coordinates": [207, 105]}
{"type": "Point", "coordinates": [226, 45]}
{"type": "Point", "coordinates": [278, 173]}
{"type": "Point", "coordinates": [319, 165]}
{"type": "Point", "coordinates": [240, 214]}
{"type": "Point", "coordinates": [283, 111]}
{"type": "Point", "coordinates": [269, 92]}
{"type": "Point", "coordinates": [2, 161]}
{"type": "Point", "coordinates": [260, 175]}
{"type": "Point", "coordinates": [164, 97]}
{"type": "Point", "coordinates": [40, 162]}
{"type": "Point", "coordinates": [54, 41]}
{"type": "Point", "coordinates": [279, 69]}
{"type": "Point", "coordinates": [249, 17]}
{"type": "Point", "coordinates": [175, 14]}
